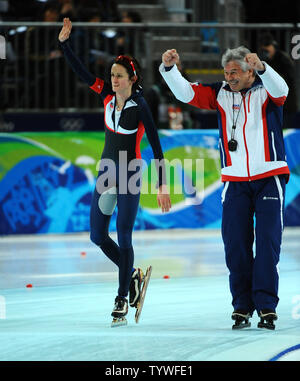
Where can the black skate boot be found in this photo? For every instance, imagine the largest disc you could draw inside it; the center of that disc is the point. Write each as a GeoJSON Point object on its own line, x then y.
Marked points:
{"type": "Point", "coordinates": [119, 312]}
{"type": "Point", "coordinates": [135, 287]}
{"type": "Point", "coordinates": [241, 319]}
{"type": "Point", "coordinates": [267, 318]}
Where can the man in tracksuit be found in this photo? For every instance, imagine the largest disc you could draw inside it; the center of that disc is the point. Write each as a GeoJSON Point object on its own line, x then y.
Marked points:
{"type": "Point", "coordinates": [249, 105]}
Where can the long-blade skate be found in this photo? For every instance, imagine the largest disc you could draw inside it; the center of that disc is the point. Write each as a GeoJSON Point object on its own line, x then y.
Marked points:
{"type": "Point", "coordinates": [140, 303]}
{"type": "Point", "coordinates": [118, 322]}
{"type": "Point", "coordinates": [267, 318]}
{"type": "Point", "coordinates": [135, 287]}
{"type": "Point", "coordinates": [119, 312]}
{"type": "Point", "coordinates": [241, 319]}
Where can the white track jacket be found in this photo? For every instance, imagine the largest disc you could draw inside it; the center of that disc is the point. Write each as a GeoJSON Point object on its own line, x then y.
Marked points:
{"type": "Point", "coordinates": [259, 110]}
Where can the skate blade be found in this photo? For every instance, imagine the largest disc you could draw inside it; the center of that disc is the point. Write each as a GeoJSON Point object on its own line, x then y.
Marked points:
{"type": "Point", "coordinates": [142, 278]}
{"type": "Point", "coordinates": [241, 326]}
{"type": "Point", "coordinates": [266, 326]}
{"type": "Point", "coordinates": [118, 322]}
{"type": "Point", "coordinates": [142, 275]}
{"type": "Point", "coordinates": [143, 294]}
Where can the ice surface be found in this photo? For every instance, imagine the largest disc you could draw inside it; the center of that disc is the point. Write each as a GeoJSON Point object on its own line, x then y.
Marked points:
{"type": "Point", "coordinates": [66, 314]}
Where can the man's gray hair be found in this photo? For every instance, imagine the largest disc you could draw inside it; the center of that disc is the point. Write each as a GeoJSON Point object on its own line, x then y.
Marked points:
{"type": "Point", "coordinates": [237, 55]}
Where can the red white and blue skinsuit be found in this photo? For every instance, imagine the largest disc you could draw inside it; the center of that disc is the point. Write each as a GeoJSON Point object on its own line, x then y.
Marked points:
{"type": "Point", "coordinates": [123, 135]}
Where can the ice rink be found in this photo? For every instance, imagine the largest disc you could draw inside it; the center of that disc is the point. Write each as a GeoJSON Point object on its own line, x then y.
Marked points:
{"type": "Point", "coordinates": [65, 315]}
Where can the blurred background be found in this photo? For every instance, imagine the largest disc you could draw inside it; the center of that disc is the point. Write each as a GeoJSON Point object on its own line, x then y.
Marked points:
{"type": "Point", "coordinates": [51, 124]}
{"type": "Point", "coordinates": [35, 78]}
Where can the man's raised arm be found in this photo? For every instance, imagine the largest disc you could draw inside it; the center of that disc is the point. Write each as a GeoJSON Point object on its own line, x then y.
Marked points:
{"type": "Point", "coordinates": [201, 96]}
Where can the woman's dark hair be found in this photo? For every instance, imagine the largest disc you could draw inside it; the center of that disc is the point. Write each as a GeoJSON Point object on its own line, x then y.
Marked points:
{"type": "Point", "coordinates": [132, 67]}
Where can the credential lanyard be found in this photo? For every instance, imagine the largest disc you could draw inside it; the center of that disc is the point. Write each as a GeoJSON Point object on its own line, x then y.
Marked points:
{"type": "Point", "coordinates": [235, 121]}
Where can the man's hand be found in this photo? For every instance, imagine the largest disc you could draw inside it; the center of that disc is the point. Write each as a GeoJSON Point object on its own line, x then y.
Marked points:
{"type": "Point", "coordinates": [254, 62]}
{"type": "Point", "coordinates": [66, 30]}
{"type": "Point", "coordinates": [170, 57]}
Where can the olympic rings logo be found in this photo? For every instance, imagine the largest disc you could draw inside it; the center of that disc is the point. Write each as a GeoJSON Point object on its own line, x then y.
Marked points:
{"type": "Point", "coordinates": [72, 124]}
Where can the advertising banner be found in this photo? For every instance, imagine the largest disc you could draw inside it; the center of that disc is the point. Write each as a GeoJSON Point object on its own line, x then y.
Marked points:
{"type": "Point", "coordinates": [47, 180]}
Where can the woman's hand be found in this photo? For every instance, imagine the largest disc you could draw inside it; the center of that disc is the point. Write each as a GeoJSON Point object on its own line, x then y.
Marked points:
{"type": "Point", "coordinates": [66, 30]}
{"type": "Point", "coordinates": [163, 198]}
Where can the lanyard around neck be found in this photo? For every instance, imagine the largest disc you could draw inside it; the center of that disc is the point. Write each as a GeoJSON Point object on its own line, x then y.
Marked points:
{"type": "Point", "coordinates": [234, 122]}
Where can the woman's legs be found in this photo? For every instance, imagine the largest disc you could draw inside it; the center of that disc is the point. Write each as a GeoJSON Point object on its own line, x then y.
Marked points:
{"type": "Point", "coordinates": [127, 210]}
{"type": "Point", "coordinates": [102, 208]}
{"type": "Point", "coordinates": [99, 224]}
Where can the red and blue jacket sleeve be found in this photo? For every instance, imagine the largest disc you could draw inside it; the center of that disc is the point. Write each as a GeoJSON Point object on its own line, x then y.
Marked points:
{"type": "Point", "coordinates": [274, 84]}
{"type": "Point", "coordinates": [96, 84]}
{"type": "Point", "coordinates": [196, 94]}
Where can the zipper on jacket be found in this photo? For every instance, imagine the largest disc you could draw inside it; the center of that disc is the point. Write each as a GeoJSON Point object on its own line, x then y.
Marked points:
{"type": "Point", "coordinates": [114, 114]}
{"type": "Point", "coordinates": [273, 146]}
{"type": "Point", "coordinates": [249, 102]}
{"type": "Point", "coordinates": [247, 153]}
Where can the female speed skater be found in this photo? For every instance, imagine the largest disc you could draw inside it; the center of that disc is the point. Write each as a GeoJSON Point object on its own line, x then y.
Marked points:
{"type": "Point", "coordinates": [126, 117]}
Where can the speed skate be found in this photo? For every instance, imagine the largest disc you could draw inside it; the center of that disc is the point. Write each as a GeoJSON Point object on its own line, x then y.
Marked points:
{"type": "Point", "coordinates": [119, 312]}
{"type": "Point", "coordinates": [121, 304]}
{"type": "Point", "coordinates": [140, 303]}
{"type": "Point", "coordinates": [118, 322]}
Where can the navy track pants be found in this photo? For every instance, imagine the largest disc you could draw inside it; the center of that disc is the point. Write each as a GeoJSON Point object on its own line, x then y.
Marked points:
{"type": "Point", "coordinates": [253, 211]}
